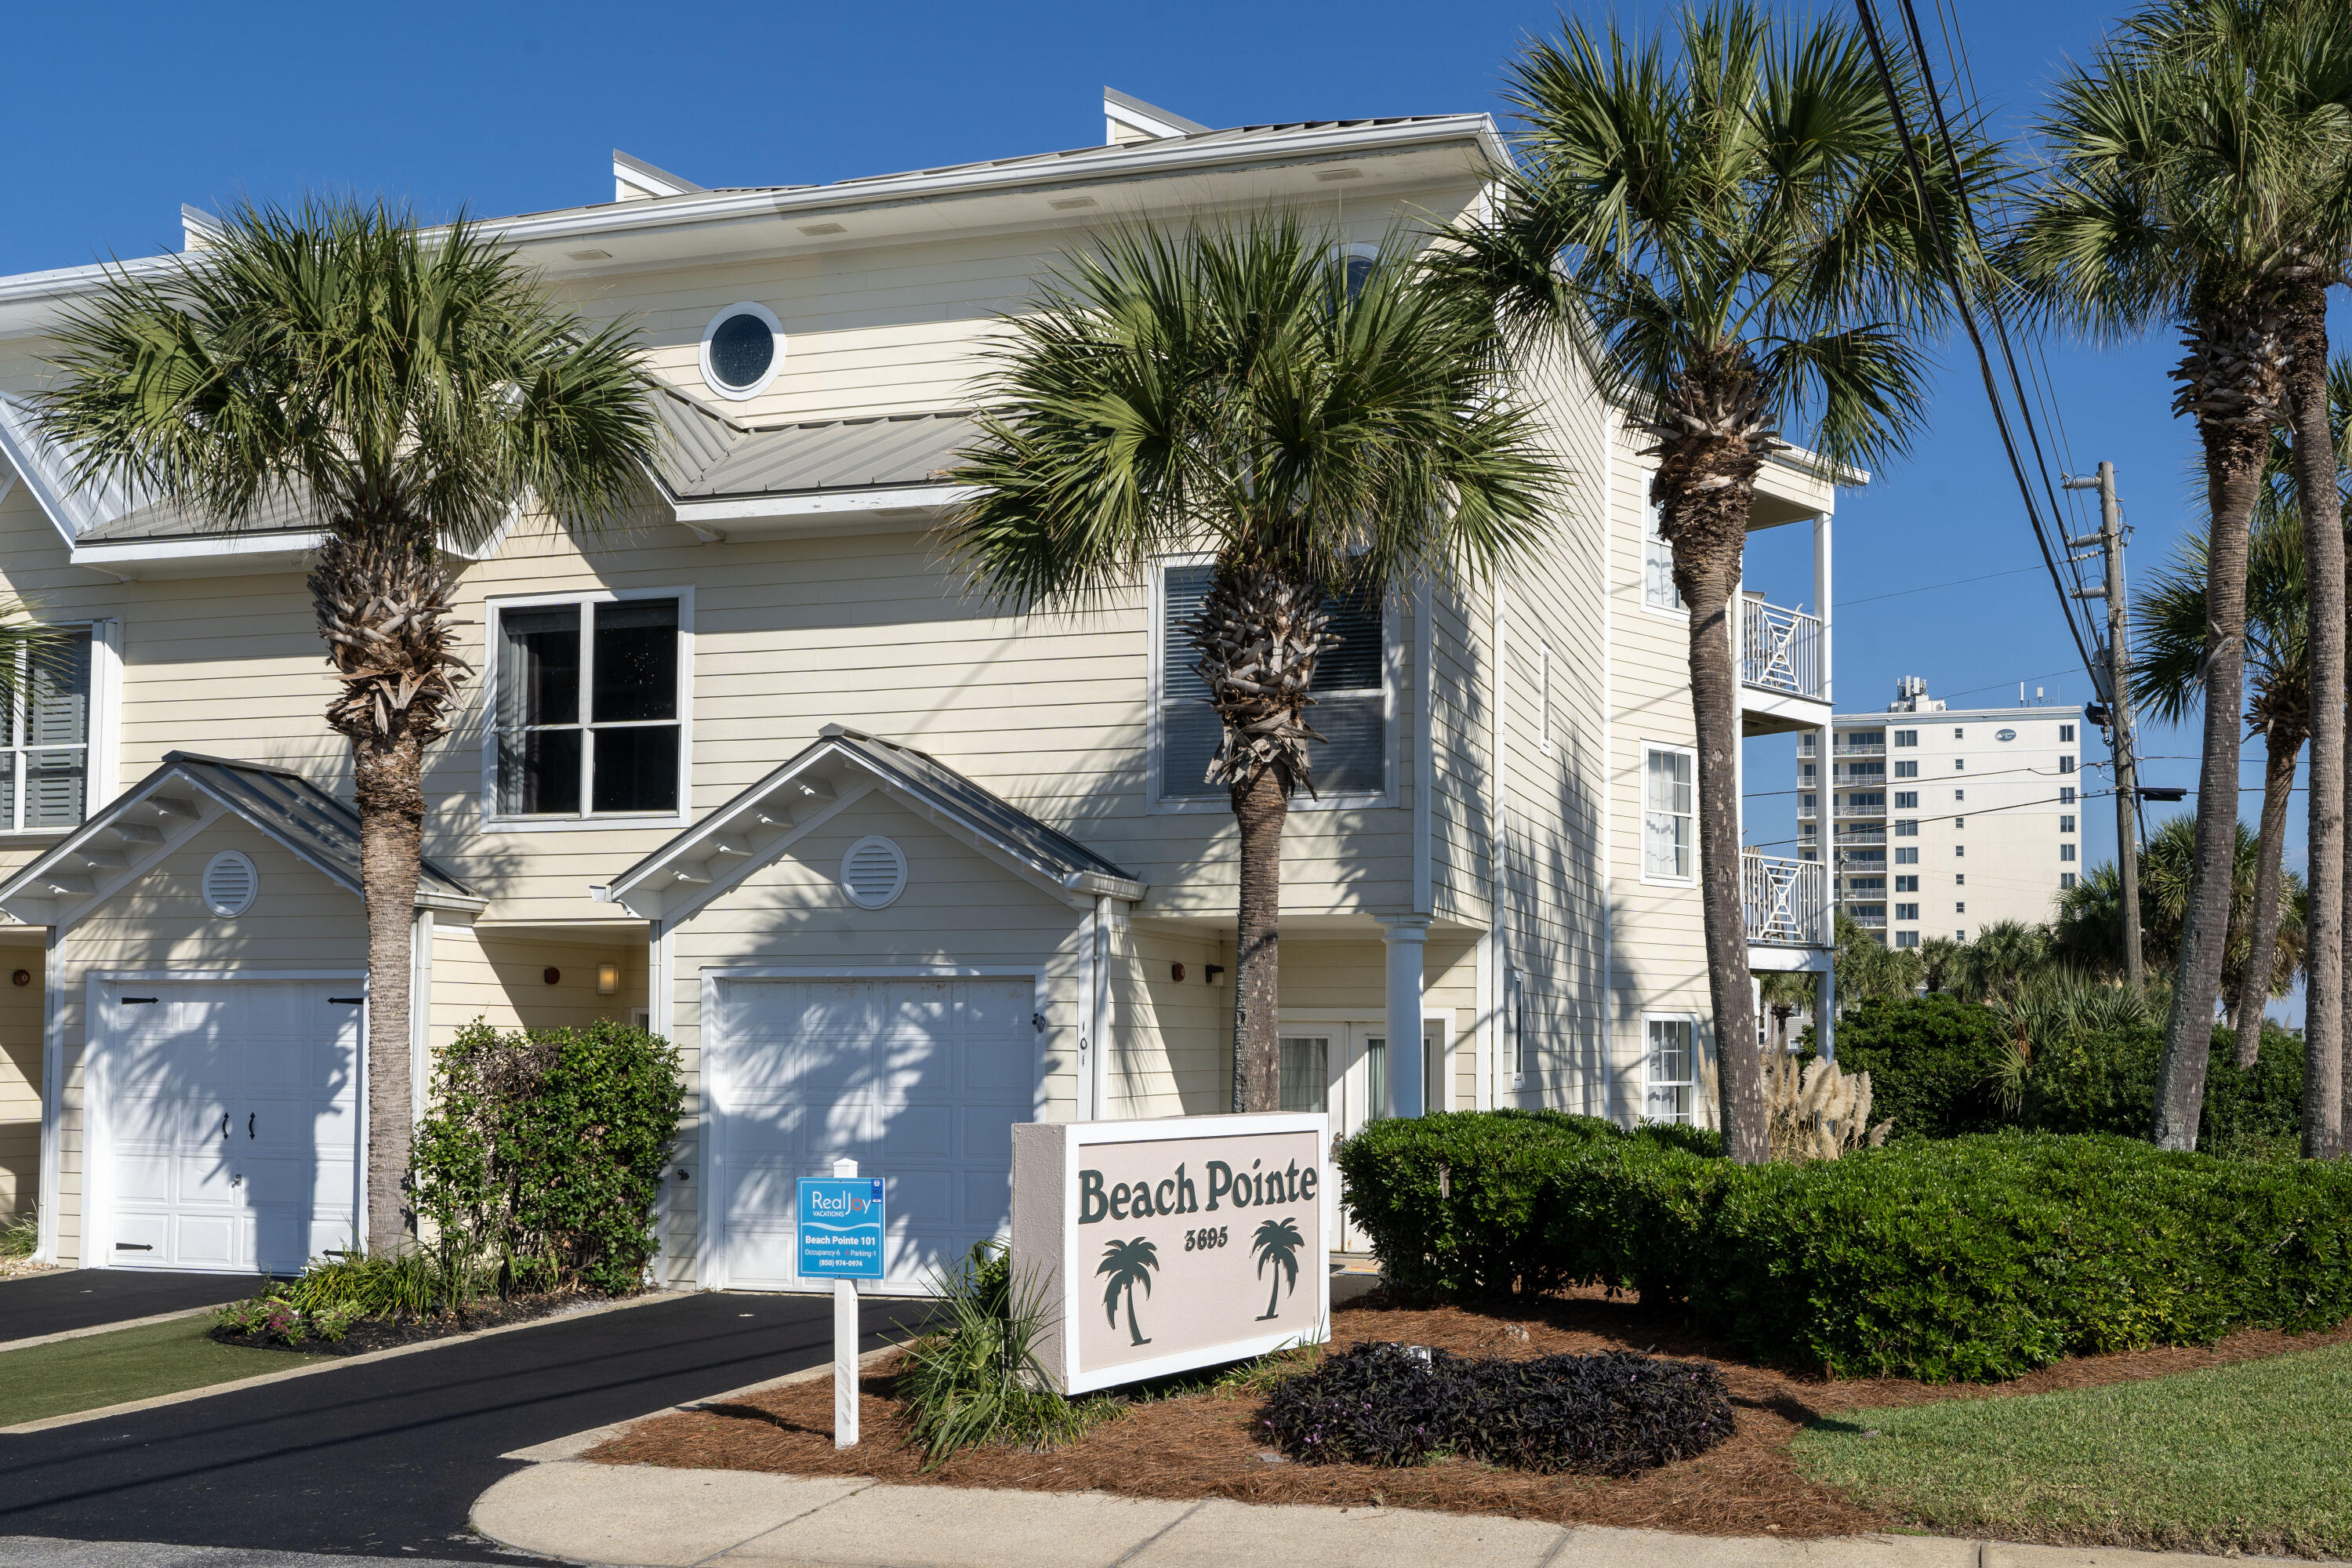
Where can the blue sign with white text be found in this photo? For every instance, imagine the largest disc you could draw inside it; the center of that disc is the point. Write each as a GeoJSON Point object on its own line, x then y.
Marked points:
{"type": "Point", "coordinates": [841, 1228]}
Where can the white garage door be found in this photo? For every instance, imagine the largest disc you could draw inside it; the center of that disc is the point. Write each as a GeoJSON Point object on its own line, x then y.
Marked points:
{"type": "Point", "coordinates": [919, 1081]}
{"type": "Point", "coordinates": [231, 1112]}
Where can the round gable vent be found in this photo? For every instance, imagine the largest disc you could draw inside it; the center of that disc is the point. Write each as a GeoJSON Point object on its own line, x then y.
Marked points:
{"type": "Point", "coordinates": [230, 882]}
{"type": "Point", "coordinates": [874, 873]}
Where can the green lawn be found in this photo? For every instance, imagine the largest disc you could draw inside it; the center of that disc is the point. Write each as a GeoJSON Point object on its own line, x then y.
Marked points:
{"type": "Point", "coordinates": [2254, 1458]}
{"type": "Point", "coordinates": [131, 1363]}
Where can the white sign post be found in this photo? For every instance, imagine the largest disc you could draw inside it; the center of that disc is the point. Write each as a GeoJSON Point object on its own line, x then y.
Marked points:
{"type": "Point", "coordinates": [841, 1237]}
{"type": "Point", "coordinates": [1164, 1245]}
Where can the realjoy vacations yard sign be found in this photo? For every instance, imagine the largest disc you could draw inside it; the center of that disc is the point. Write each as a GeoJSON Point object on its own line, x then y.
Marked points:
{"type": "Point", "coordinates": [1166, 1245]}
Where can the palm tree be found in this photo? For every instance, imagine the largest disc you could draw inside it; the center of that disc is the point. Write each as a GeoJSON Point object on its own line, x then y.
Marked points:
{"type": "Point", "coordinates": [410, 392]}
{"type": "Point", "coordinates": [2088, 931]}
{"type": "Point", "coordinates": [1724, 222]}
{"type": "Point", "coordinates": [2194, 176]}
{"type": "Point", "coordinates": [2000, 962]}
{"type": "Point", "coordinates": [2172, 647]}
{"type": "Point", "coordinates": [1783, 992]}
{"type": "Point", "coordinates": [1322, 428]}
{"type": "Point", "coordinates": [1869, 970]}
{"type": "Point", "coordinates": [1277, 1242]}
{"type": "Point", "coordinates": [1128, 1263]}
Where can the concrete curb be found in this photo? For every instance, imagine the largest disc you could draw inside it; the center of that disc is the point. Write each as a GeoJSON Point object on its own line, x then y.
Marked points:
{"type": "Point", "coordinates": [648, 1516]}
{"type": "Point", "coordinates": [83, 1333]}
{"type": "Point", "coordinates": [320, 1363]}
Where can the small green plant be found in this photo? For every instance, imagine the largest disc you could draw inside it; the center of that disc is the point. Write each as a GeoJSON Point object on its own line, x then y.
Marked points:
{"type": "Point", "coordinates": [20, 1234]}
{"type": "Point", "coordinates": [415, 1282]}
{"type": "Point", "coordinates": [273, 1316]}
{"type": "Point", "coordinates": [1259, 1375]}
{"type": "Point", "coordinates": [978, 1380]}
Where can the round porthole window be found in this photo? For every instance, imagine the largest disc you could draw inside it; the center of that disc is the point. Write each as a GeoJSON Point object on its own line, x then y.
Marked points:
{"type": "Point", "coordinates": [874, 873]}
{"type": "Point", "coordinates": [742, 348]}
{"type": "Point", "coordinates": [230, 883]}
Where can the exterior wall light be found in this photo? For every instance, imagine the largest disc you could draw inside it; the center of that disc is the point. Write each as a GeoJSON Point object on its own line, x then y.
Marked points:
{"type": "Point", "coordinates": [608, 979]}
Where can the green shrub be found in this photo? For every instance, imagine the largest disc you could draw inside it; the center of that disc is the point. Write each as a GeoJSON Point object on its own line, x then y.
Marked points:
{"type": "Point", "coordinates": [20, 1234]}
{"type": "Point", "coordinates": [413, 1283]}
{"type": "Point", "coordinates": [1979, 1257]}
{"type": "Point", "coordinates": [977, 1380]}
{"type": "Point", "coordinates": [544, 1151]}
{"type": "Point", "coordinates": [2106, 1083]}
{"type": "Point", "coordinates": [1933, 1062]}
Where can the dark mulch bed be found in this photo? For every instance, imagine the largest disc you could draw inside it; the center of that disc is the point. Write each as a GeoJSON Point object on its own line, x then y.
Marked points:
{"type": "Point", "coordinates": [385, 1333]}
{"type": "Point", "coordinates": [1203, 1444]}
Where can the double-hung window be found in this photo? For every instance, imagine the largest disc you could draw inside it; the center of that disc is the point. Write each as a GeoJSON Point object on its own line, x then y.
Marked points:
{"type": "Point", "coordinates": [1658, 590]}
{"type": "Point", "coordinates": [1669, 1071]}
{"type": "Point", "coordinates": [1349, 688]}
{"type": "Point", "coordinates": [45, 777]}
{"type": "Point", "coordinates": [1669, 814]}
{"type": "Point", "coordinates": [589, 698]}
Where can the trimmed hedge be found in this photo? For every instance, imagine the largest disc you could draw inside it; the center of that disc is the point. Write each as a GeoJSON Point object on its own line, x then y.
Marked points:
{"type": "Point", "coordinates": [1931, 1061]}
{"type": "Point", "coordinates": [1973, 1257]}
{"type": "Point", "coordinates": [1616, 1414]}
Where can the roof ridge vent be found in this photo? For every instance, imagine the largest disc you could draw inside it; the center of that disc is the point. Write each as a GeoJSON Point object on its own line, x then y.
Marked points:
{"type": "Point", "coordinates": [635, 180]}
{"type": "Point", "coordinates": [1128, 119]}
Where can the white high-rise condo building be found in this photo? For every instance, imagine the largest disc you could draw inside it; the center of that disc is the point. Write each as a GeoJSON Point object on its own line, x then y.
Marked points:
{"type": "Point", "coordinates": [1944, 820]}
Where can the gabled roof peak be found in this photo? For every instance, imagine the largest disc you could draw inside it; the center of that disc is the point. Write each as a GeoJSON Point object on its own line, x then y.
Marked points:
{"type": "Point", "coordinates": [1128, 119]}
{"type": "Point", "coordinates": [635, 180]}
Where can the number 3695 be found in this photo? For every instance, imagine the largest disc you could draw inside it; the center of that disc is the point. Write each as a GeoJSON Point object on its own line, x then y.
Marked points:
{"type": "Point", "coordinates": [1202, 1240]}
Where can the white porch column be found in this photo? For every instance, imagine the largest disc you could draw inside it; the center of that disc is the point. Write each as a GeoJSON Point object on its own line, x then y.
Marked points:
{"type": "Point", "coordinates": [1404, 937]}
{"type": "Point", "coordinates": [1822, 600]}
{"type": "Point", "coordinates": [1825, 1008]}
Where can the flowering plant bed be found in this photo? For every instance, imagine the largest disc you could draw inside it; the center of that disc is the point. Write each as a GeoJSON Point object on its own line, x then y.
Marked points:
{"type": "Point", "coordinates": [269, 1323]}
{"type": "Point", "coordinates": [1206, 1438]}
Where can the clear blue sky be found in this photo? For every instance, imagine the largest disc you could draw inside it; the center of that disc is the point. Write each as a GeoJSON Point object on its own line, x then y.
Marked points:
{"type": "Point", "coordinates": [117, 114]}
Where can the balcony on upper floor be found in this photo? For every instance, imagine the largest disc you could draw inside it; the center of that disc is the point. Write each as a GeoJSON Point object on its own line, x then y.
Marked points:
{"type": "Point", "coordinates": [1786, 901]}
{"type": "Point", "coordinates": [1782, 651]}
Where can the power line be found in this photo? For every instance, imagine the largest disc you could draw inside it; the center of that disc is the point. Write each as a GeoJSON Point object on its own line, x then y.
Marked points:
{"type": "Point", "coordinates": [1955, 582]}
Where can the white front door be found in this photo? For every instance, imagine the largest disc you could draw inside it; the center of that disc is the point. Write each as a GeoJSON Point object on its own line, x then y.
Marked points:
{"type": "Point", "coordinates": [231, 1110]}
{"type": "Point", "coordinates": [919, 1081]}
{"type": "Point", "coordinates": [1341, 1068]}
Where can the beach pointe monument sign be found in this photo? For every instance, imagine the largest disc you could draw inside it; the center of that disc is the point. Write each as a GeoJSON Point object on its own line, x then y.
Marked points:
{"type": "Point", "coordinates": [1167, 1245]}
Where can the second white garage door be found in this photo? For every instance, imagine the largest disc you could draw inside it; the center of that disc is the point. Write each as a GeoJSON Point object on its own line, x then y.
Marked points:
{"type": "Point", "coordinates": [919, 1081]}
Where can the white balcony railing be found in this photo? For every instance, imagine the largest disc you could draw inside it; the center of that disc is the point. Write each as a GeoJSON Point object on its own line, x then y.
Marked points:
{"type": "Point", "coordinates": [1781, 650]}
{"type": "Point", "coordinates": [1787, 901]}
{"type": "Point", "coordinates": [1861, 835]}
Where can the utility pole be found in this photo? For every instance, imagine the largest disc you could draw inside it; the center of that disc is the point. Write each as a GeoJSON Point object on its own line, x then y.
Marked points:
{"type": "Point", "coordinates": [2110, 540]}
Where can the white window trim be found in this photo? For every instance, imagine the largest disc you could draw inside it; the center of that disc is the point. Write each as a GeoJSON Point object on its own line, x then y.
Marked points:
{"type": "Point", "coordinates": [103, 743]}
{"type": "Point", "coordinates": [1691, 1083]}
{"type": "Point", "coordinates": [709, 377]}
{"type": "Point", "coordinates": [1677, 611]}
{"type": "Point", "coordinates": [1544, 696]}
{"type": "Point", "coordinates": [1392, 679]}
{"type": "Point", "coordinates": [491, 821]}
{"type": "Point", "coordinates": [1642, 816]}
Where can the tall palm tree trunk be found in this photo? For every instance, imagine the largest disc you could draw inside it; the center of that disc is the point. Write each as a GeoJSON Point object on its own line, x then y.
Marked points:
{"type": "Point", "coordinates": [1260, 808]}
{"type": "Point", "coordinates": [1706, 546]}
{"type": "Point", "coordinates": [2233, 460]}
{"type": "Point", "coordinates": [2281, 747]}
{"type": "Point", "coordinates": [390, 790]}
{"type": "Point", "coordinates": [2315, 479]}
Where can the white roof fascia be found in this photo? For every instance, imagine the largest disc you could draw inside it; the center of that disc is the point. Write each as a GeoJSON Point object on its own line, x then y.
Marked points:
{"type": "Point", "coordinates": [1092, 167]}
{"type": "Point", "coordinates": [198, 228]}
{"type": "Point", "coordinates": [823, 503]}
{"type": "Point", "coordinates": [631, 172]}
{"type": "Point", "coordinates": [67, 508]}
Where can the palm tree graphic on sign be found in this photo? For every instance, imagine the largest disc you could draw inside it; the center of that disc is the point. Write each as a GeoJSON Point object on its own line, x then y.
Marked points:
{"type": "Point", "coordinates": [1277, 1242]}
{"type": "Point", "coordinates": [1128, 1263]}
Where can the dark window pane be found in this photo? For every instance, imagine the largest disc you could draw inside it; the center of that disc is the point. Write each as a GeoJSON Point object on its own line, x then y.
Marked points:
{"type": "Point", "coordinates": [1350, 762]}
{"type": "Point", "coordinates": [1180, 680]}
{"type": "Point", "coordinates": [636, 661]}
{"type": "Point", "coordinates": [538, 773]}
{"type": "Point", "coordinates": [8, 789]}
{"type": "Point", "coordinates": [52, 787]}
{"type": "Point", "coordinates": [1360, 272]}
{"type": "Point", "coordinates": [742, 349]}
{"type": "Point", "coordinates": [56, 709]}
{"type": "Point", "coordinates": [1351, 663]}
{"type": "Point", "coordinates": [1188, 739]}
{"type": "Point", "coordinates": [539, 667]}
{"type": "Point", "coordinates": [636, 769]}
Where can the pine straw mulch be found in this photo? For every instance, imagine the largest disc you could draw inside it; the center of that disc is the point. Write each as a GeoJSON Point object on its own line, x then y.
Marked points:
{"type": "Point", "coordinates": [1201, 1445]}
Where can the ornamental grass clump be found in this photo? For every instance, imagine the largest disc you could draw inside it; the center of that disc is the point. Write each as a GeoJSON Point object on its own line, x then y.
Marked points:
{"type": "Point", "coordinates": [1816, 1111]}
{"type": "Point", "coordinates": [1616, 1414]}
{"type": "Point", "coordinates": [978, 1380]}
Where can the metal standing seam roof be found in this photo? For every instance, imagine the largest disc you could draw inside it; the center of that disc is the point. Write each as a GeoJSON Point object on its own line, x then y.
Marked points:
{"type": "Point", "coordinates": [1047, 849]}
{"type": "Point", "coordinates": [289, 808]}
{"type": "Point", "coordinates": [708, 457]}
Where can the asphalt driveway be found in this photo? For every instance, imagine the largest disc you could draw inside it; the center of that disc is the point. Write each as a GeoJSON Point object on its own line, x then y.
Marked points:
{"type": "Point", "coordinates": [385, 1459]}
{"type": "Point", "coordinates": [33, 1305]}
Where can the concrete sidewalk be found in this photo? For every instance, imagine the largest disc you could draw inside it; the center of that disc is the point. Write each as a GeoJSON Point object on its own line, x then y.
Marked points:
{"type": "Point", "coordinates": [654, 1518]}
